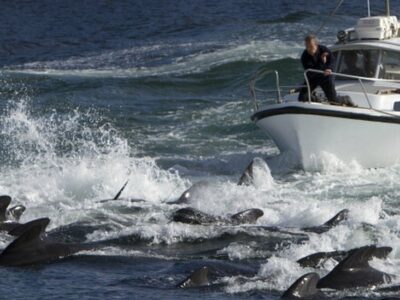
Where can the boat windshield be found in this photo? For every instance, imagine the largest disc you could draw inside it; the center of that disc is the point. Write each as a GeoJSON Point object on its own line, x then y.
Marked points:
{"type": "Point", "coordinates": [358, 63]}
{"type": "Point", "coordinates": [390, 66]}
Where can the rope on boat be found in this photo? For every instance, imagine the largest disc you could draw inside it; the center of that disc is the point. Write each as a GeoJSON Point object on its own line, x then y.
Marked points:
{"type": "Point", "coordinates": [331, 15]}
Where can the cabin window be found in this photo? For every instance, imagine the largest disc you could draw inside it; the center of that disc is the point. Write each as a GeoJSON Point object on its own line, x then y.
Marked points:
{"type": "Point", "coordinates": [390, 66]}
{"type": "Point", "coordinates": [358, 63]}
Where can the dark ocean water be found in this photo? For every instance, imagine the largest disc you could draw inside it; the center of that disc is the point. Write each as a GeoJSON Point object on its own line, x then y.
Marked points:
{"type": "Point", "coordinates": [93, 93]}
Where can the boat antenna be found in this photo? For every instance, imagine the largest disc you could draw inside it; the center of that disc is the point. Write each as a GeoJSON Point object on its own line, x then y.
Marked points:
{"type": "Point", "coordinates": [369, 8]}
{"type": "Point", "coordinates": [331, 15]}
{"type": "Point", "coordinates": [388, 8]}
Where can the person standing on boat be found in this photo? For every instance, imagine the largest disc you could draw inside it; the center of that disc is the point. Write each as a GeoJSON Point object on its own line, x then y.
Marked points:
{"type": "Point", "coordinates": [318, 57]}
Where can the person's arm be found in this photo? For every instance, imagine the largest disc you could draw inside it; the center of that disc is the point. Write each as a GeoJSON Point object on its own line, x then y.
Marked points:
{"type": "Point", "coordinates": [304, 60]}
{"type": "Point", "coordinates": [329, 58]}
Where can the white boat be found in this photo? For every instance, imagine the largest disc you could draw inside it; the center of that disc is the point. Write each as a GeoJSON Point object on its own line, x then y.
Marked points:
{"type": "Point", "coordinates": [368, 132]}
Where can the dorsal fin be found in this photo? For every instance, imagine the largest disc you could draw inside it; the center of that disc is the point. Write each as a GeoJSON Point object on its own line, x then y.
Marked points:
{"type": "Point", "coordinates": [120, 191]}
{"type": "Point", "coordinates": [196, 279]}
{"type": "Point", "coordinates": [4, 203]}
{"type": "Point", "coordinates": [22, 228]}
{"type": "Point", "coordinates": [357, 258]}
{"type": "Point", "coordinates": [314, 260]}
{"type": "Point", "coordinates": [247, 176]}
{"type": "Point", "coordinates": [32, 232]}
{"type": "Point", "coordinates": [304, 287]}
{"type": "Point", "coordinates": [354, 271]}
{"type": "Point", "coordinates": [337, 219]}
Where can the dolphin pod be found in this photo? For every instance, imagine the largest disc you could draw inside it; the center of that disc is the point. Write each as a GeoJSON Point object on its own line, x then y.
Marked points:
{"type": "Point", "coordinates": [352, 272]}
{"type": "Point", "coordinates": [33, 245]}
{"type": "Point", "coordinates": [193, 216]}
{"type": "Point", "coordinates": [246, 179]}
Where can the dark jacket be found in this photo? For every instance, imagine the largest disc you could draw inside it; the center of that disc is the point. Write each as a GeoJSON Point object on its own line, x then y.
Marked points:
{"type": "Point", "coordinates": [315, 61]}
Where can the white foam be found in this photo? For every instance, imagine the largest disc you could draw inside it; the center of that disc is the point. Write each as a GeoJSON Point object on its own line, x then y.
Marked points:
{"type": "Point", "coordinates": [64, 187]}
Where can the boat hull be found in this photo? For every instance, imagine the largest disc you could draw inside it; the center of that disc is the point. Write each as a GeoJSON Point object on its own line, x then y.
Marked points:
{"type": "Point", "coordinates": [311, 131]}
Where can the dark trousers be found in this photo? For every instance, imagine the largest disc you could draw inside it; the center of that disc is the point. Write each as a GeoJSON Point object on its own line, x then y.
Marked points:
{"type": "Point", "coordinates": [325, 82]}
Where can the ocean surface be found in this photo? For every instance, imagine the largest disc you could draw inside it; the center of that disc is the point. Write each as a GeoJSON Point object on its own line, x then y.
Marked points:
{"type": "Point", "coordinates": [95, 93]}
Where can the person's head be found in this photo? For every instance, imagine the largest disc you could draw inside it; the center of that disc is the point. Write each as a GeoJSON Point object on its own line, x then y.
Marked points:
{"type": "Point", "coordinates": [311, 43]}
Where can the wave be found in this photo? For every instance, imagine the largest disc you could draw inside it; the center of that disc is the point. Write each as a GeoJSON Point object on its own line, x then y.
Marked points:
{"type": "Point", "coordinates": [256, 51]}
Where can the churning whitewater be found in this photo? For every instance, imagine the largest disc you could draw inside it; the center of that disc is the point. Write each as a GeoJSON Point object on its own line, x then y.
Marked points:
{"type": "Point", "coordinates": [155, 95]}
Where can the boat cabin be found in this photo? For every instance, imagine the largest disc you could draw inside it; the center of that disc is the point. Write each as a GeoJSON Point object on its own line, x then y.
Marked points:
{"type": "Point", "coordinates": [371, 49]}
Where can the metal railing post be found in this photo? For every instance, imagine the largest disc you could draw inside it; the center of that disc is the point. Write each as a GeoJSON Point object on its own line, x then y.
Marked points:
{"type": "Point", "coordinates": [278, 87]}
{"type": "Point", "coordinates": [308, 85]}
{"type": "Point", "coordinates": [365, 93]}
{"type": "Point", "coordinates": [359, 78]}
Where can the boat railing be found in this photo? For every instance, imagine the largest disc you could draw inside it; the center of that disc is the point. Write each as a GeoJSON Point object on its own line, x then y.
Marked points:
{"type": "Point", "coordinates": [360, 79]}
{"type": "Point", "coordinates": [285, 89]}
{"type": "Point", "coordinates": [277, 92]}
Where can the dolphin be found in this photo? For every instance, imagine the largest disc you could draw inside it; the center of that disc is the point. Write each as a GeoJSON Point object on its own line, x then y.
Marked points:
{"type": "Point", "coordinates": [12, 214]}
{"type": "Point", "coordinates": [118, 196]}
{"type": "Point", "coordinates": [316, 259]}
{"type": "Point", "coordinates": [336, 220]}
{"type": "Point", "coordinates": [32, 247]}
{"type": "Point", "coordinates": [304, 288]}
{"type": "Point", "coordinates": [354, 271]}
{"type": "Point", "coordinates": [9, 218]}
{"type": "Point", "coordinates": [16, 212]}
{"type": "Point", "coordinates": [4, 203]}
{"type": "Point", "coordinates": [188, 194]}
{"type": "Point", "coordinates": [247, 176]}
{"type": "Point", "coordinates": [248, 216]}
{"type": "Point", "coordinates": [198, 278]}
{"type": "Point", "coordinates": [210, 274]}
{"type": "Point", "coordinates": [193, 216]}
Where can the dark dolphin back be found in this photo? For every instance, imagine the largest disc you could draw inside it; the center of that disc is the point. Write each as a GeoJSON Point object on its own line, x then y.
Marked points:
{"type": "Point", "coordinates": [31, 234]}
{"type": "Point", "coordinates": [357, 258]}
{"type": "Point", "coordinates": [373, 251]}
{"type": "Point", "coordinates": [197, 279]}
{"type": "Point", "coordinates": [303, 288]}
{"type": "Point", "coordinates": [22, 228]}
{"type": "Point", "coordinates": [188, 194]}
{"type": "Point", "coordinates": [247, 216]}
{"type": "Point", "coordinates": [192, 216]}
{"type": "Point", "coordinates": [247, 176]}
{"type": "Point", "coordinates": [4, 203]}
{"type": "Point", "coordinates": [354, 271]}
{"type": "Point", "coordinates": [337, 219]}
{"type": "Point", "coordinates": [314, 260]}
